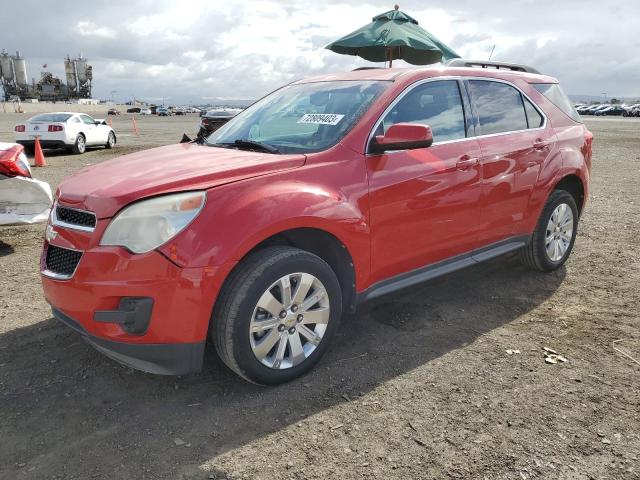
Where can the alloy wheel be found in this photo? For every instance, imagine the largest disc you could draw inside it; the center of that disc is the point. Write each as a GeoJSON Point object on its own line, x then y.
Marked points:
{"type": "Point", "coordinates": [559, 232]}
{"type": "Point", "coordinates": [289, 321]}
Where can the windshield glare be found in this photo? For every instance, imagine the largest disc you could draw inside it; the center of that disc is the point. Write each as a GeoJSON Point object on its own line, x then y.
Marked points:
{"type": "Point", "coordinates": [304, 118]}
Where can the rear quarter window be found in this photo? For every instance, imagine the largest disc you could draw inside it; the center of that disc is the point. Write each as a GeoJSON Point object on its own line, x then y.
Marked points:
{"type": "Point", "coordinates": [553, 92]}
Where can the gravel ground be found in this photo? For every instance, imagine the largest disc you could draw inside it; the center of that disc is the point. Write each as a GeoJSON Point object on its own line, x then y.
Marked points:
{"type": "Point", "coordinates": [418, 384]}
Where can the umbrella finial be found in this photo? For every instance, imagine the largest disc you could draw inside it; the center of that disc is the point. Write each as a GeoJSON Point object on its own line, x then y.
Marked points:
{"type": "Point", "coordinates": [396, 7]}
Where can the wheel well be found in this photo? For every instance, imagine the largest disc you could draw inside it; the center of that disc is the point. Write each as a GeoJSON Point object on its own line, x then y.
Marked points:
{"type": "Point", "coordinates": [573, 185]}
{"type": "Point", "coordinates": [325, 246]}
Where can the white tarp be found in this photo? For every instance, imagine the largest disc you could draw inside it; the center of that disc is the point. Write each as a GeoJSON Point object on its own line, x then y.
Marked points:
{"type": "Point", "coordinates": [24, 201]}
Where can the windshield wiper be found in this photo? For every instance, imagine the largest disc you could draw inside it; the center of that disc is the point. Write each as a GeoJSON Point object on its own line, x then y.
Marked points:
{"type": "Point", "coordinates": [265, 147]}
{"type": "Point", "coordinates": [249, 144]}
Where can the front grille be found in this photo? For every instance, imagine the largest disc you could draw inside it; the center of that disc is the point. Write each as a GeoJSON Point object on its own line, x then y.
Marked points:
{"type": "Point", "coordinates": [62, 261]}
{"type": "Point", "coordinates": [76, 217]}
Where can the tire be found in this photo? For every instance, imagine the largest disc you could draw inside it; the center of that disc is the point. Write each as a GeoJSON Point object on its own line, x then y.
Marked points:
{"type": "Point", "coordinates": [535, 254]}
{"type": "Point", "coordinates": [237, 314]}
{"type": "Point", "coordinates": [80, 145]}
{"type": "Point", "coordinates": [29, 151]}
{"type": "Point", "coordinates": [111, 140]}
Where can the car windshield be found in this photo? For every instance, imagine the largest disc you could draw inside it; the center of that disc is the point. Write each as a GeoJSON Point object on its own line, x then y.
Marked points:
{"type": "Point", "coordinates": [51, 117]}
{"type": "Point", "coordinates": [303, 118]}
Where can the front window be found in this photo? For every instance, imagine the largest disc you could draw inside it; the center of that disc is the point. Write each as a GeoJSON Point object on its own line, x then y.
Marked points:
{"type": "Point", "coordinates": [437, 104]}
{"type": "Point", "coordinates": [303, 118]}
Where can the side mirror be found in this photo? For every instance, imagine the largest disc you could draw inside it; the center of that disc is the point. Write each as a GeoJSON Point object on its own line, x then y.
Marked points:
{"type": "Point", "coordinates": [403, 136]}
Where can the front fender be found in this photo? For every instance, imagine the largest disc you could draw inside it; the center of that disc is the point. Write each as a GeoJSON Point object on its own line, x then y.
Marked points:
{"type": "Point", "coordinates": [239, 216]}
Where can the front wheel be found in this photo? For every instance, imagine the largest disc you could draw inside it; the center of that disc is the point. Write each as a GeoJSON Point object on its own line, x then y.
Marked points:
{"type": "Point", "coordinates": [276, 315]}
{"type": "Point", "coordinates": [111, 140]}
{"type": "Point", "coordinates": [555, 234]}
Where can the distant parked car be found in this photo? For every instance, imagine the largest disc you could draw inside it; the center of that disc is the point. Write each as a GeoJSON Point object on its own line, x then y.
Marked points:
{"type": "Point", "coordinates": [68, 130]}
{"type": "Point", "coordinates": [145, 111]}
{"type": "Point", "coordinates": [213, 120]}
{"type": "Point", "coordinates": [629, 109]}
{"type": "Point", "coordinates": [133, 110]}
{"type": "Point", "coordinates": [616, 110]}
{"type": "Point", "coordinates": [23, 199]}
{"type": "Point", "coordinates": [164, 112]}
{"type": "Point", "coordinates": [113, 111]}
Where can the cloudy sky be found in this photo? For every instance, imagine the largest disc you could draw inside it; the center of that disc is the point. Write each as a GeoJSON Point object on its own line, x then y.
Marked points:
{"type": "Point", "coordinates": [194, 51]}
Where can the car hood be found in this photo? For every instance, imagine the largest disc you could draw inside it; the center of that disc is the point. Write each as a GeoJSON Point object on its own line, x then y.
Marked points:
{"type": "Point", "coordinates": [107, 187]}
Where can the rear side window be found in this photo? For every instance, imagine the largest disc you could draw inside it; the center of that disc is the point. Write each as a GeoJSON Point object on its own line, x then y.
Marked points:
{"type": "Point", "coordinates": [534, 118]}
{"type": "Point", "coordinates": [437, 104]}
{"type": "Point", "coordinates": [555, 95]}
{"type": "Point", "coordinates": [499, 106]}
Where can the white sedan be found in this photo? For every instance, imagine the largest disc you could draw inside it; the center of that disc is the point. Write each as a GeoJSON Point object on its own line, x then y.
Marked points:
{"type": "Point", "coordinates": [68, 130]}
{"type": "Point", "coordinates": [23, 200]}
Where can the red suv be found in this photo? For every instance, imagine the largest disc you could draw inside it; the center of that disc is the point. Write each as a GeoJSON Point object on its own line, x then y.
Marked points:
{"type": "Point", "coordinates": [324, 194]}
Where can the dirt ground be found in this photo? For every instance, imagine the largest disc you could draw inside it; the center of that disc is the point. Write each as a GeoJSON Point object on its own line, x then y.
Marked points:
{"type": "Point", "coordinates": [417, 384]}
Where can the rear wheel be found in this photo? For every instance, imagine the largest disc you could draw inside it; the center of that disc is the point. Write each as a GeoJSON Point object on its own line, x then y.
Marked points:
{"type": "Point", "coordinates": [80, 144]}
{"type": "Point", "coordinates": [111, 140]}
{"type": "Point", "coordinates": [276, 315]}
{"type": "Point", "coordinates": [555, 234]}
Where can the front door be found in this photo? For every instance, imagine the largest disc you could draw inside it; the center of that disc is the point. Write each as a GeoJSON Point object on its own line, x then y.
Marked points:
{"type": "Point", "coordinates": [425, 203]}
{"type": "Point", "coordinates": [89, 129]}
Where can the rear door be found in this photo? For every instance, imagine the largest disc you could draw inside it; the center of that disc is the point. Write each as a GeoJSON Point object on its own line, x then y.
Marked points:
{"type": "Point", "coordinates": [425, 203]}
{"type": "Point", "coordinates": [515, 140]}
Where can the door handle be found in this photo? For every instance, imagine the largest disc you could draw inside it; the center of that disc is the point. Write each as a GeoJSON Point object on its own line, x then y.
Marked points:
{"type": "Point", "coordinates": [465, 162]}
{"type": "Point", "coordinates": [540, 144]}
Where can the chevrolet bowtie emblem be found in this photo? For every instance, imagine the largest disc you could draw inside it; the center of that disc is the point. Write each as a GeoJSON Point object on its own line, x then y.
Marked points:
{"type": "Point", "coordinates": [50, 233]}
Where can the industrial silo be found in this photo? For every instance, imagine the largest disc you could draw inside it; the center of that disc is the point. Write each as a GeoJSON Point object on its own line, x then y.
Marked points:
{"type": "Point", "coordinates": [70, 72]}
{"type": "Point", "coordinates": [6, 64]}
{"type": "Point", "coordinates": [81, 69]}
{"type": "Point", "coordinates": [84, 75]}
{"type": "Point", "coordinates": [20, 67]}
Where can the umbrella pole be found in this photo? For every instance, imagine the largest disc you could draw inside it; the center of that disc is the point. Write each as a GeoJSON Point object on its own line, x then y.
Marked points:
{"type": "Point", "coordinates": [390, 56]}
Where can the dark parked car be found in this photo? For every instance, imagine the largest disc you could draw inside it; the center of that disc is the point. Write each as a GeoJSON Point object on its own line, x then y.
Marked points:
{"type": "Point", "coordinates": [213, 120]}
{"type": "Point", "coordinates": [133, 110]}
{"type": "Point", "coordinates": [113, 111]}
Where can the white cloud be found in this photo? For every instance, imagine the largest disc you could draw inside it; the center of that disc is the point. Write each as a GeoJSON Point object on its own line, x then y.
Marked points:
{"type": "Point", "coordinates": [194, 49]}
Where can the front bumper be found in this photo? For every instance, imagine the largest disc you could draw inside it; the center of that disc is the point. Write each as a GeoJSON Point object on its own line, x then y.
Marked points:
{"type": "Point", "coordinates": [162, 359]}
{"type": "Point", "coordinates": [171, 336]}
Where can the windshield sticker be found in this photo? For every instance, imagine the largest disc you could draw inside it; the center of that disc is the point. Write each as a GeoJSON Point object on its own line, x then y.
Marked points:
{"type": "Point", "coordinates": [321, 118]}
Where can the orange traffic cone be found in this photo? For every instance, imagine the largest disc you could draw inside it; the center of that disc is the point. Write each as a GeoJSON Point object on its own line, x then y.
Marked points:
{"type": "Point", "coordinates": [109, 122]}
{"type": "Point", "coordinates": [135, 127]}
{"type": "Point", "coordinates": [39, 157]}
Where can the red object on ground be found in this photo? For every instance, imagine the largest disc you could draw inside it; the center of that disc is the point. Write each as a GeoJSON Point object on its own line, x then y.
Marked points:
{"type": "Point", "coordinates": [39, 160]}
{"type": "Point", "coordinates": [11, 165]}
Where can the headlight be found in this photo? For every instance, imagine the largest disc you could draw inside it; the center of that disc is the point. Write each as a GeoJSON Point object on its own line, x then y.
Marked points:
{"type": "Point", "coordinates": [146, 225]}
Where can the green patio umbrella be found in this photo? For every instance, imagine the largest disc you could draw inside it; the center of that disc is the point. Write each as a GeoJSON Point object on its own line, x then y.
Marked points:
{"type": "Point", "coordinates": [393, 35]}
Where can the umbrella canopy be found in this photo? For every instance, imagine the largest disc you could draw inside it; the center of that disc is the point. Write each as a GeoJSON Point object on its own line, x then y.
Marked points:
{"type": "Point", "coordinates": [393, 35]}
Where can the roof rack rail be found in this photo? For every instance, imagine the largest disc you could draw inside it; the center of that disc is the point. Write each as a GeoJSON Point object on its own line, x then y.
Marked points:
{"type": "Point", "coordinates": [459, 62]}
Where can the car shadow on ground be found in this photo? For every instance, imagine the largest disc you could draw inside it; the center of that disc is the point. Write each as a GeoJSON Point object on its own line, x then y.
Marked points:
{"type": "Point", "coordinates": [64, 405]}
